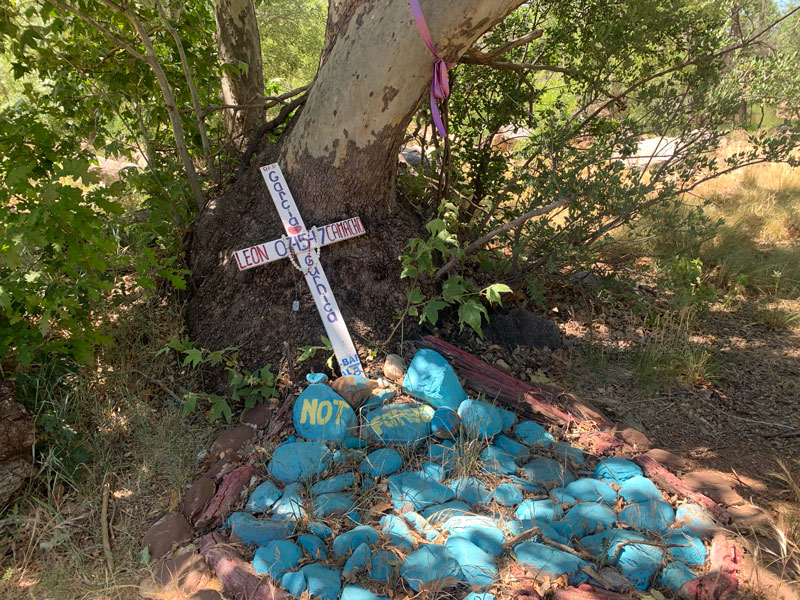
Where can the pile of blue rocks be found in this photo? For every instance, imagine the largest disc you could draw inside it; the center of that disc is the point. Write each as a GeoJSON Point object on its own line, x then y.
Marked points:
{"type": "Point", "coordinates": [439, 488]}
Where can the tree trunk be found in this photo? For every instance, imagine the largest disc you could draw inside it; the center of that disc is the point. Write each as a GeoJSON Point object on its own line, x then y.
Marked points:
{"type": "Point", "coordinates": [340, 160]}
{"type": "Point", "coordinates": [239, 44]}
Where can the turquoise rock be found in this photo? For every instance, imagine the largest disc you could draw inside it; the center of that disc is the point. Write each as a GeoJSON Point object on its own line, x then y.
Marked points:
{"type": "Point", "coordinates": [431, 566]}
{"type": "Point", "coordinates": [257, 532]}
{"type": "Point", "coordinates": [478, 596]}
{"type": "Point", "coordinates": [334, 484]}
{"type": "Point", "coordinates": [343, 456]}
{"type": "Point", "coordinates": [328, 505]}
{"type": "Point", "coordinates": [527, 486]}
{"type": "Point", "coordinates": [685, 546]}
{"type": "Point", "coordinates": [572, 454]}
{"type": "Point", "coordinates": [289, 506]}
{"type": "Point", "coordinates": [406, 424]}
{"type": "Point", "coordinates": [358, 561]}
{"type": "Point", "coordinates": [316, 377]}
{"type": "Point", "coordinates": [507, 494]}
{"type": "Point", "coordinates": [354, 592]}
{"type": "Point", "coordinates": [382, 565]}
{"type": "Point", "coordinates": [545, 561]}
{"type": "Point", "coordinates": [479, 419]}
{"type": "Point", "coordinates": [382, 462]}
{"type": "Point", "coordinates": [421, 525]}
{"type": "Point", "coordinates": [354, 443]}
{"type": "Point", "coordinates": [477, 567]}
{"type": "Point", "coordinates": [695, 519]}
{"type": "Point", "coordinates": [322, 582]}
{"type": "Point", "coordinates": [517, 527]}
{"type": "Point", "coordinates": [442, 512]}
{"type": "Point", "coordinates": [289, 440]}
{"type": "Point", "coordinates": [471, 490]}
{"type": "Point", "coordinates": [433, 471]}
{"type": "Point", "coordinates": [481, 531]}
{"type": "Point", "coordinates": [588, 517]}
{"type": "Point", "coordinates": [320, 414]}
{"type": "Point", "coordinates": [512, 447]}
{"type": "Point", "coordinates": [431, 379]}
{"type": "Point", "coordinates": [616, 470]}
{"type": "Point", "coordinates": [320, 529]}
{"type": "Point", "coordinates": [547, 472]}
{"type": "Point", "coordinates": [378, 398]}
{"type": "Point", "coordinates": [277, 558]}
{"type": "Point", "coordinates": [539, 510]}
{"type": "Point", "coordinates": [591, 490]}
{"type": "Point", "coordinates": [560, 495]}
{"type": "Point", "coordinates": [638, 562]}
{"type": "Point", "coordinates": [445, 423]}
{"type": "Point", "coordinates": [262, 498]}
{"type": "Point", "coordinates": [413, 489]}
{"type": "Point", "coordinates": [367, 483]}
{"type": "Point", "coordinates": [640, 489]}
{"type": "Point", "coordinates": [299, 461]}
{"type": "Point", "coordinates": [294, 583]}
{"type": "Point", "coordinates": [441, 453]}
{"type": "Point", "coordinates": [344, 543]}
{"type": "Point", "coordinates": [313, 546]}
{"type": "Point", "coordinates": [654, 515]}
{"type": "Point", "coordinates": [508, 418]}
{"type": "Point", "coordinates": [533, 434]}
{"type": "Point", "coordinates": [397, 532]}
{"type": "Point", "coordinates": [674, 575]}
{"type": "Point", "coordinates": [497, 462]}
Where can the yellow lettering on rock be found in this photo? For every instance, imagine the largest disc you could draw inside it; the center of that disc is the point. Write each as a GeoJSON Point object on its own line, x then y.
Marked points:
{"type": "Point", "coordinates": [309, 411]}
{"type": "Point", "coordinates": [324, 407]}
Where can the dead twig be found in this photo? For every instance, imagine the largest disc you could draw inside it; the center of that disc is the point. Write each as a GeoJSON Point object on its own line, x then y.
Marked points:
{"type": "Point", "coordinates": [104, 529]}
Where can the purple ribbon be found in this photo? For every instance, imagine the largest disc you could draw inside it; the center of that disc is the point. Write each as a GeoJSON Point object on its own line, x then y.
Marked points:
{"type": "Point", "coordinates": [440, 87]}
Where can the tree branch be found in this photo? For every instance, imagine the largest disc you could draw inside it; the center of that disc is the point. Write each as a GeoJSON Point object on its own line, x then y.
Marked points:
{"type": "Point", "coordinates": [516, 43]}
{"type": "Point", "coordinates": [486, 60]}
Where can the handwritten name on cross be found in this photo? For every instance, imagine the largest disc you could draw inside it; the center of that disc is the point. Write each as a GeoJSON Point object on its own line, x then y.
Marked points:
{"type": "Point", "coordinates": [302, 246]}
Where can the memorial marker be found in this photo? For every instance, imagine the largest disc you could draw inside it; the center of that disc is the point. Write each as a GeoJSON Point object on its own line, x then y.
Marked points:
{"type": "Point", "coordinates": [299, 240]}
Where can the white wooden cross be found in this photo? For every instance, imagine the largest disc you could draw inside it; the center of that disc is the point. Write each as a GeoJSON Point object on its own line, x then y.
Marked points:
{"type": "Point", "coordinates": [299, 240]}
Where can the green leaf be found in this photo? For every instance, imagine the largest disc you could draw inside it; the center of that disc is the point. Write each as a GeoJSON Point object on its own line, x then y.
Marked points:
{"type": "Point", "coordinates": [193, 356]}
{"type": "Point", "coordinates": [189, 404]}
{"type": "Point", "coordinates": [307, 352]}
{"type": "Point", "coordinates": [219, 407]}
{"type": "Point", "coordinates": [431, 310]}
{"type": "Point", "coordinates": [144, 556]}
{"type": "Point", "coordinates": [493, 292]}
{"type": "Point", "coordinates": [470, 313]}
{"type": "Point", "coordinates": [453, 288]}
{"type": "Point", "coordinates": [416, 296]}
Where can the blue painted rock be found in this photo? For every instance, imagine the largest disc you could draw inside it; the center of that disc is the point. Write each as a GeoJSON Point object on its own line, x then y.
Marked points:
{"type": "Point", "coordinates": [289, 506]}
{"type": "Point", "coordinates": [294, 583]}
{"type": "Point", "coordinates": [421, 524]}
{"type": "Point", "coordinates": [257, 532]}
{"type": "Point", "coordinates": [481, 531]}
{"type": "Point", "coordinates": [695, 519]}
{"type": "Point", "coordinates": [527, 486]}
{"type": "Point", "coordinates": [442, 512]}
{"type": "Point", "coordinates": [674, 575]}
{"type": "Point", "coordinates": [321, 529]}
{"type": "Point", "coordinates": [640, 489]}
{"type": "Point", "coordinates": [477, 596]}
{"type": "Point", "coordinates": [299, 461]}
{"type": "Point", "coordinates": [433, 471]}
{"type": "Point", "coordinates": [512, 447]}
{"type": "Point", "coordinates": [322, 582]}
{"type": "Point", "coordinates": [342, 456]}
{"type": "Point", "coordinates": [354, 443]}
{"type": "Point", "coordinates": [328, 505]}
{"type": "Point", "coordinates": [430, 567]}
{"type": "Point", "coordinates": [411, 488]}
{"type": "Point", "coordinates": [616, 470]}
{"type": "Point", "coordinates": [358, 561]}
{"type": "Point", "coordinates": [587, 489]}
{"type": "Point", "coordinates": [507, 494]}
{"type": "Point", "coordinates": [471, 490]}
{"type": "Point", "coordinates": [334, 484]}
{"type": "Point", "coordinates": [508, 418]}
{"type": "Point", "coordinates": [517, 527]}
{"type": "Point", "coordinates": [477, 567]}
{"type": "Point", "coordinates": [533, 434]}
{"type": "Point", "coordinates": [547, 472]}
{"type": "Point", "coordinates": [431, 379]}
{"type": "Point", "coordinates": [546, 561]}
{"type": "Point", "coordinates": [686, 547]}
{"type": "Point", "coordinates": [479, 419]}
{"type": "Point", "coordinates": [497, 462]}
{"type": "Point", "coordinates": [313, 546]}
{"type": "Point", "coordinates": [262, 498]}
{"type": "Point", "coordinates": [378, 398]}
{"type": "Point", "coordinates": [560, 495]}
{"type": "Point", "coordinates": [445, 422]}
{"type": "Point", "coordinates": [344, 543]}
{"type": "Point", "coordinates": [588, 517]}
{"type": "Point", "coordinates": [397, 531]}
{"type": "Point", "coordinates": [382, 566]}
{"type": "Point", "coordinates": [277, 558]}
{"type": "Point", "coordinates": [564, 451]}
{"type": "Point", "coordinates": [381, 462]}
{"type": "Point", "coordinates": [316, 377]}
{"type": "Point", "coordinates": [321, 414]}
{"type": "Point", "coordinates": [539, 510]}
{"type": "Point", "coordinates": [354, 592]}
{"type": "Point", "coordinates": [653, 515]}
{"type": "Point", "coordinates": [638, 562]}
{"type": "Point", "coordinates": [399, 424]}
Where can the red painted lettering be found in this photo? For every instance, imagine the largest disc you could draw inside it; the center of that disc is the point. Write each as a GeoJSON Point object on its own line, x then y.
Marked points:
{"type": "Point", "coordinates": [260, 254]}
{"type": "Point", "coordinates": [247, 259]}
{"type": "Point", "coordinates": [238, 261]}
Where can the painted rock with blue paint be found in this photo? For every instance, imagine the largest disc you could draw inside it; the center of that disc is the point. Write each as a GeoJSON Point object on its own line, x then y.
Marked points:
{"type": "Point", "coordinates": [539, 510]}
{"type": "Point", "coordinates": [381, 462]}
{"type": "Point", "coordinates": [344, 543]}
{"type": "Point", "coordinates": [418, 522]}
{"type": "Point", "coordinates": [640, 489]}
{"type": "Point", "coordinates": [378, 398]}
{"type": "Point", "coordinates": [638, 562]}
{"type": "Point", "coordinates": [674, 575]}
{"type": "Point", "coordinates": [277, 558]}
{"type": "Point", "coordinates": [322, 582]}
{"type": "Point", "coordinates": [533, 434]}
{"type": "Point", "coordinates": [431, 379]}
{"type": "Point", "coordinates": [561, 495]}
{"type": "Point", "coordinates": [433, 471]}
{"type": "Point", "coordinates": [685, 546]}
{"type": "Point", "coordinates": [479, 419]}
{"type": "Point", "coordinates": [441, 512]}
{"type": "Point", "coordinates": [431, 566]}
{"type": "Point", "coordinates": [519, 526]}
{"type": "Point", "coordinates": [320, 414]}
{"type": "Point", "coordinates": [548, 472]}
{"type": "Point", "coordinates": [397, 531]}
{"type": "Point", "coordinates": [527, 486]}
{"type": "Point", "coordinates": [572, 454]}
{"type": "Point", "coordinates": [407, 424]}
{"type": "Point", "coordinates": [512, 447]}
{"type": "Point", "coordinates": [257, 532]}
{"type": "Point", "coordinates": [320, 529]}
{"type": "Point", "coordinates": [299, 461]}
{"type": "Point", "coordinates": [382, 566]}
{"type": "Point", "coordinates": [262, 498]}
{"type": "Point", "coordinates": [653, 515]}
{"type": "Point", "coordinates": [508, 418]}
{"type": "Point", "coordinates": [471, 490]}
{"type": "Point", "coordinates": [507, 494]}
{"type": "Point", "coordinates": [496, 461]}
{"type": "Point", "coordinates": [445, 423]}
{"type": "Point", "coordinates": [695, 519]}
{"type": "Point", "coordinates": [591, 517]}
{"type": "Point", "coordinates": [294, 583]}
{"type": "Point", "coordinates": [313, 546]}
{"type": "Point", "coordinates": [316, 377]}
{"type": "Point", "coordinates": [546, 561]}
{"type": "Point", "coordinates": [478, 596]}
{"type": "Point", "coordinates": [289, 507]}
{"type": "Point", "coordinates": [591, 490]}
{"type": "Point", "coordinates": [354, 592]}
{"type": "Point", "coordinates": [616, 470]}
{"type": "Point", "coordinates": [477, 567]}
{"type": "Point", "coordinates": [480, 530]}
{"type": "Point", "coordinates": [413, 489]}
{"type": "Point", "coordinates": [334, 484]}
{"type": "Point", "coordinates": [358, 561]}
{"type": "Point", "coordinates": [328, 505]}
